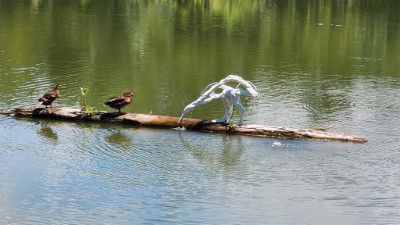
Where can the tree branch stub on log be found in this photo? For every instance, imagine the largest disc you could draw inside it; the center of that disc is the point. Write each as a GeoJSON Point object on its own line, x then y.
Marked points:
{"type": "Point", "coordinates": [68, 113]}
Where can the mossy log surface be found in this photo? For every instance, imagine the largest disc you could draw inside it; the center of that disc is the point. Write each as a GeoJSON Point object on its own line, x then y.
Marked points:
{"type": "Point", "coordinates": [67, 113]}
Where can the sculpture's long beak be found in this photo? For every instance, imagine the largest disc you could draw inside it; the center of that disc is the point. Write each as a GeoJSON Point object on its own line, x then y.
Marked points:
{"type": "Point", "coordinates": [180, 119]}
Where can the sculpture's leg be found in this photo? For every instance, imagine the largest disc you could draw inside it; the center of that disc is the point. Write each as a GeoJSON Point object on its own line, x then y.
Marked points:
{"type": "Point", "coordinates": [228, 111]}
{"type": "Point", "coordinates": [242, 110]}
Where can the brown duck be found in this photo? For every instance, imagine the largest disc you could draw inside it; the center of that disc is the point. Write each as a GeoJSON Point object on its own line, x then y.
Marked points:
{"type": "Point", "coordinates": [50, 96]}
{"type": "Point", "coordinates": [120, 101]}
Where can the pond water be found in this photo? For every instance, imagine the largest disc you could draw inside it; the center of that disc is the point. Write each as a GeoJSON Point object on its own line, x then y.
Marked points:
{"type": "Point", "coordinates": [317, 64]}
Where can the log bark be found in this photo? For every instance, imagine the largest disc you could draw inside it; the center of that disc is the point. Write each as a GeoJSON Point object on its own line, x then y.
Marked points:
{"type": "Point", "coordinates": [67, 113]}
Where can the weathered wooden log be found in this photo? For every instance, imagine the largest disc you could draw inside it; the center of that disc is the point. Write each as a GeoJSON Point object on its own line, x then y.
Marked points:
{"type": "Point", "coordinates": [67, 113]}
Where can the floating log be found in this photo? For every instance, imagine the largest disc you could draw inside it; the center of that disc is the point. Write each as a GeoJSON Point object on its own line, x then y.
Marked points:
{"type": "Point", "coordinates": [67, 113]}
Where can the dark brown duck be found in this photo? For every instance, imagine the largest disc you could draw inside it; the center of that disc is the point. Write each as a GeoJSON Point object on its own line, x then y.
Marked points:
{"type": "Point", "coordinates": [120, 101]}
{"type": "Point", "coordinates": [50, 96]}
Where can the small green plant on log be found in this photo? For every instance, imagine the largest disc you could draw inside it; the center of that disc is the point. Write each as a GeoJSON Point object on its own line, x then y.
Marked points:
{"type": "Point", "coordinates": [231, 127]}
{"type": "Point", "coordinates": [89, 111]}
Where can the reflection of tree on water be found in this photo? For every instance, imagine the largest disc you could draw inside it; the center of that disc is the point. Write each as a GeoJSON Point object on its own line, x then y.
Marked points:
{"type": "Point", "coordinates": [226, 156]}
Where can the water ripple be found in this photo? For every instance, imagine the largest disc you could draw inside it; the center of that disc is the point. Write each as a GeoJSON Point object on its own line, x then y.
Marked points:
{"type": "Point", "coordinates": [326, 106]}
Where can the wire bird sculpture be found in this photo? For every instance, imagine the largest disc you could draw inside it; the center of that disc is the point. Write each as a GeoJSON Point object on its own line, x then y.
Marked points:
{"type": "Point", "coordinates": [229, 95]}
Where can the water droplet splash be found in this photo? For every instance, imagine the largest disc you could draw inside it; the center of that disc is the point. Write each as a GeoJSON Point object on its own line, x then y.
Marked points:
{"type": "Point", "coordinates": [179, 128]}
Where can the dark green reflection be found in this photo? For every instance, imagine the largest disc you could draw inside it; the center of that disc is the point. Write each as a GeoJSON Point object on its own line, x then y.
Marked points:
{"type": "Point", "coordinates": [168, 51]}
{"type": "Point", "coordinates": [47, 132]}
{"type": "Point", "coordinates": [120, 139]}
